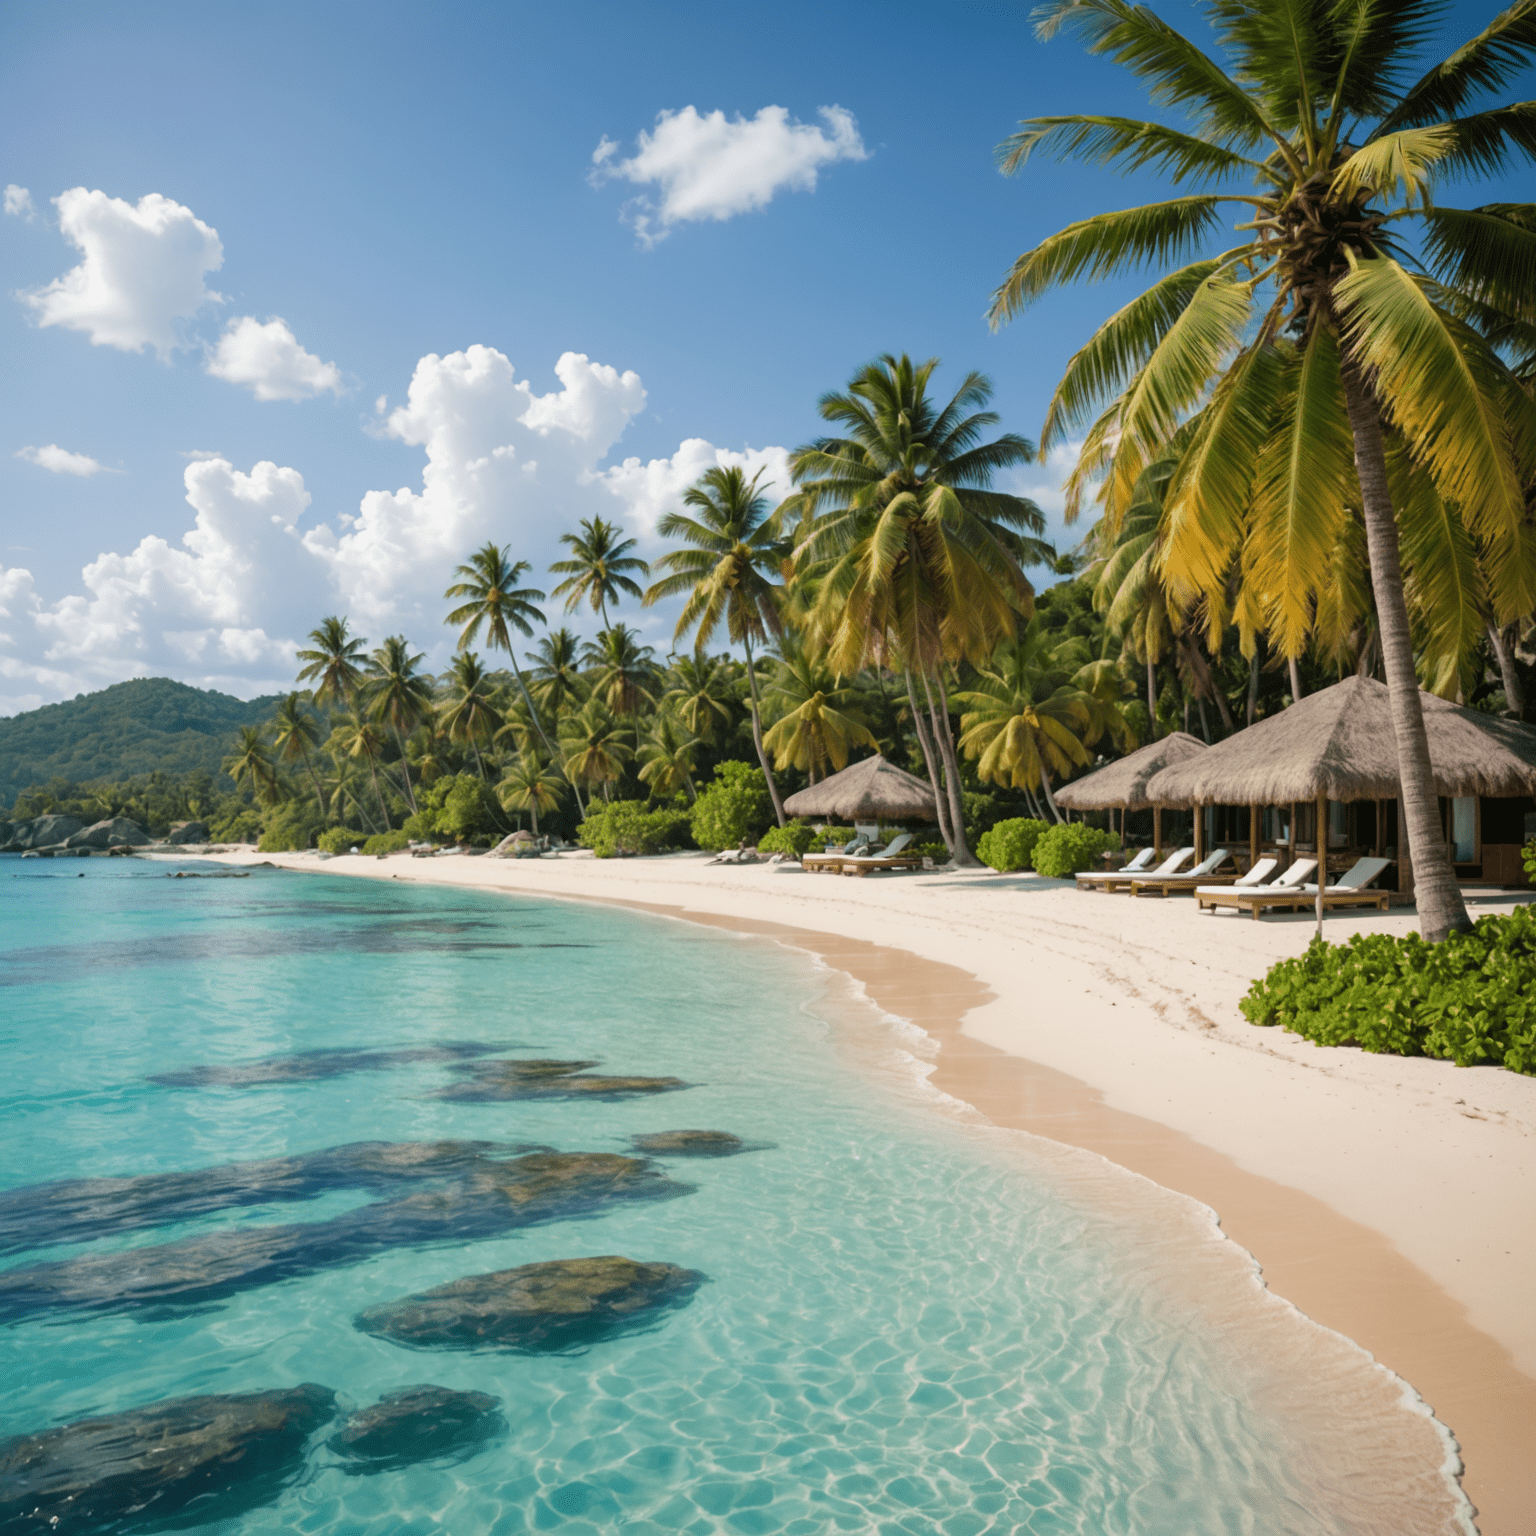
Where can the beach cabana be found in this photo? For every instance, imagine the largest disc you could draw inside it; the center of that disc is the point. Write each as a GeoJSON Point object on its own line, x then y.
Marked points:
{"type": "Point", "coordinates": [1337, 748]}
{"type": "Point", "coordinates": [1122, 784]}
{"type": "Point", "coordinates": [869, 790]}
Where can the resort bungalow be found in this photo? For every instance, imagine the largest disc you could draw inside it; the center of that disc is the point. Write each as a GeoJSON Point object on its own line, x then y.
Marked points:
{"type": "Point", "coordinates": [1326, 770]}
{"type": "Point", "coordinates": [1122, 785]}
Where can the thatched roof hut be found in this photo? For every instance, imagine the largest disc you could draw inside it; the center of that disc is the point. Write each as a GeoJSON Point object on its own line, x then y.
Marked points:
{"type": "Point", "coordinates": [869, 790]}
{"type": "Point", "coordinates": [1123, 784]}
{"type": "Point", "coordinates": [1339, 744]}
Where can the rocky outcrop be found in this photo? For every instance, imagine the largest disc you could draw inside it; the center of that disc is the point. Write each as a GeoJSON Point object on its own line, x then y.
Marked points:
{"type": "Point", "coordinates": [535, 1308]}
{"type": "Point", "coordinates": [187, 832]}
{"type": "Point", "coordinates": [315, 1066]}
{"type": "Point", "coordinates": [114, 832]}
{"type": "Point", "coordinates": [488, 1199]}
{"type": "Point", "coordinates": [689, 1144]}
{"type": "Point", "coordinates": [42, 832]}
{"type": "Point", "coordinates": [499, 1082]}
{"type": "Point", "coordinates": [419, 1424]}
{"type": "Point", "coordinates": [187, 1461]}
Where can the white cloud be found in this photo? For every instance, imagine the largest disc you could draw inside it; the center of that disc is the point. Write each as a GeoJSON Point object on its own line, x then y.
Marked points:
{"type": "Point", "coordinates": [269, 359]}
{"type": "Point", "coordinates": [1044, 482]}
{"type": "Point", "coordinates": [141, 273]}
{"type": "Point", "coordinates": [713, 167]}
{"type": "Point", "coordinates": [224, 606]}
{"type": "Point", "coordinates": [18, 201]}
{"type": "Point", "coordinates": [61, 461]}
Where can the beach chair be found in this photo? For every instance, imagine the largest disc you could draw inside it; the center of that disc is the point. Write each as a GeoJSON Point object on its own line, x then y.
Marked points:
{"type": "Point", "coordinates": [1162, 885]}
{"type": "Point", "coordinates": [893, 857]}
{"type": "Point", "coordinates": [1287, 890]}
{"type": "Point", "coordinates": [830, 862]}
{"type": "Point", "coordinates": [1120, 879]}
{"type": "Point", "coordinates": [1139, 865]}
{"type": "Point", "coordinates": [1351, 891]}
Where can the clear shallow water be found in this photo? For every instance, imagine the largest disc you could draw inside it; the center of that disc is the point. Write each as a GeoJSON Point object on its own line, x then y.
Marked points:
{"type": "Point", "coordinates": [909, 1324]}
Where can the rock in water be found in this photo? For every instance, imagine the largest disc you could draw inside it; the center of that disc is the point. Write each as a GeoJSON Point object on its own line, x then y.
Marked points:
{"type": "Point", "coordinates": [535, 1308]}
{"type": "Point", "coordinates": [419, 1424]}
{"type": "Point", "coordinates": [689, 1144]}
{"type": "Point", "coordinates": [114, 832]}
{"type": "Point", "coordinates": [500, 1082]}
{"type": "Point", "coordinates": [187, 1461]}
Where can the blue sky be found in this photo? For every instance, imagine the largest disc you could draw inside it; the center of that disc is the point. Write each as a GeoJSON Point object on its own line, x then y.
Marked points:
{"type": "Point", "coordinates": [394, 182]}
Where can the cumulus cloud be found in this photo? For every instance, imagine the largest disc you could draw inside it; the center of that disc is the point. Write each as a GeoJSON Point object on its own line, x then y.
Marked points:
{"type": "Point", "coordinates": [267, 358]}
{"type": "Point", "coordinates": [1044, 483]}
{"type": "Point", "coordinates": [18, 201]}
{"type": "Point", "coordinates": [225, 605]}
{"type": "Point", "coordinates": [710, 167]}
{"type": "Point", "coordinates": [141, 272]}
{"type": "Point", "coordinates": [61, 461]}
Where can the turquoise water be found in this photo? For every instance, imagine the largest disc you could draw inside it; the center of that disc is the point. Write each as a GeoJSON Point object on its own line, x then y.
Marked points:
{"type": "Point", "coordinates": [907, 1326]}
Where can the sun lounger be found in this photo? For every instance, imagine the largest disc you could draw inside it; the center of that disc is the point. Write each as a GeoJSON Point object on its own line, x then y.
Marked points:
{"type": "Point", "coordinates": [830, 861]}
{"type": "Point", "coordinates": [1162, 885]}
{"type": "Point", "coordinates": [1287, 890]}
{"type": "Point", "coordinates": [1351, 891]}
{"type": "Point", "coordinates": [1139, 865]}
{"type": "Point", "coordinates": [893, 857]}
{"type": "Point", "coordinates": [1120, 880]}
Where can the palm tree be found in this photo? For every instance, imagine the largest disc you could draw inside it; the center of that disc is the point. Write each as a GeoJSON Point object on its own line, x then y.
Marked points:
{"type": "Point", "coordinates": [730, 548]}
{"type": "Point", "coordinates": [1317, 341]}
{"type": "Point", "coordinates": [529, 785]}
{"type": "Point", "coordinates": [395, 692]}
{"type": "Point", "coordinates": [622, 671]}
{"type": "Point", "coordinates": [334, 663]}
{"type": "Point", "coordinates": [599, 570]}
{"type": "Point", "coordinates": [595, 746]}
{"type": "Point", "coordinates": [294, 732]}
{"type": "Point", "coordinates": [497, 604]}
{"type": "Point", "coordinates": [344, 791]}
{"type": "Point", "coordinates": [556, 672]}
{"type": "Point", "coordinates": [469, 712]}
{"type": "Point", "coordinates": [357, 737]}
{"type": "Point", "coordinates": [819, 723]}
{"type": "Point", "coordinates": [666, 757]}
{"type": "Point", "coordinates": [918, 562]}
{"type": "Point", "coordinates": [252, 763]}
{"type": "Point", "coordinates": [701, 694]}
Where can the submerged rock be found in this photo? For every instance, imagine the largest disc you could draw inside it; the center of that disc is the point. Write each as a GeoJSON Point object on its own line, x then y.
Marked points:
{"type": "Point", "coordinates": [114, 832]}
{"type": "Point", "coordinates": [314, 1066]}
{"type": "Point", "coordinates": [500, 1082]}
{"type": "Point", "coordinates": [187, 1461]}
{"type": "Point", "coordinates": [534, 1308]}
{"type": "Point", "coordinates": [489, 1199]}
{"type": "Point", "coordinates": [419, 1424]}
{"type": "Point", "coordinates": [689, 1144]}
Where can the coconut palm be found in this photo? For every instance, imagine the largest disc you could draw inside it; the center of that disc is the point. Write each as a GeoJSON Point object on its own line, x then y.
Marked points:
{"type": "Point", "coordinates": [333, 662]}
{"type": "Point", "coordinates": [251, 763]}
{"type": "Point", "coordinates": [357, 737]}
{"type": "Point", "coordinates": [527, 784]}
{"type": "Point", "coordinates": [294, 732]}
{"type": "Point", "coordinates": [702, 694]}
{"type": "Point", "coordinates": [621, 671]}
{"type": "Point", "coordinates": [346, 791]}
{"type": "Point", "coordinates": [666, 759]}
{"type": "Point", "coordinates": [918, 562]}
{"type": "Point", "coordinates": [469, 713]}
{"type": "Point", "coordinates": [556, 672]}
{"type": "Point", "coordinates": [597, 745]}
{"type": "Point", "coordinates": [1350, 316]}
{"type": "Point", "coordinates": [819, 721]}
{"type": "Point", "coordinates": [601, 569]}
{"type": "Point", "coordinates": [731, 551]}
{"type": "Point", "coordinates": [395, 692]}
{"type": "Point", "coordinates": [495, 602]}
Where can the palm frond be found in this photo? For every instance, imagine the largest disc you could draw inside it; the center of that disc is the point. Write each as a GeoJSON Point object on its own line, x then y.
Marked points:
{"type": "Point", "coordinates": [1487, 253]}
{"type": "Point", "coordinates": [1486, 140]}
{"type": "Point", "coordinates": [1104, 140]}
{"type": "Point", "coordinates": [1405, 159]}
{"type": "Point", "coordinates": [1485, 63]}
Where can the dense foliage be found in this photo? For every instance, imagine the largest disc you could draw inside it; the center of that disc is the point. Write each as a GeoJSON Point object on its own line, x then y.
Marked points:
{"type": "Point", "coordinates": [1470, 999]}
{"type": "Point", "coordinates": [1066, 849]}
{"type": "Point", "coordinates": [793, 839]}
{"type": "Point", "coordinates": [1010, 845]}
{"type": "Point", "coordinates": [626, 827]}
{"type": "Point", "coordinates": [734, 809]}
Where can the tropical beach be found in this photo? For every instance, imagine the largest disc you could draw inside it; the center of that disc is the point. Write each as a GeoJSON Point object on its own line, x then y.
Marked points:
{"type": "Point", "coordinates": [925, 923]}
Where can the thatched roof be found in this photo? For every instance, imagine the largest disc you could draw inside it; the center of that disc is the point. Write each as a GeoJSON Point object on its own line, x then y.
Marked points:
{"type": "Point", "coordinates": [1339, 743]}
{"type": "Point", "coordinates": [871, 788]}
{"type": "Point", "coordinates": [1124, 783]}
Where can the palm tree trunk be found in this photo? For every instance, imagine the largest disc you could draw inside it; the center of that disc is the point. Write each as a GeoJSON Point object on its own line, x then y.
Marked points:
{"type": "Point", "coordinates": [1253, 683]}
{"type": "Point", "coordinates": [923, 741]}
{"type": "Point", "coordinates": [757, 736]}
{"type": "Point", "coordinates": [377, 792]}
{"type": "Point", "coordinates": [1151, 698]}
{"type": "Point", "coordinates": [1296, 694]}
{"type": "Point", "coordinates": [1205, 724]}
{"type": "Point", "coordinates": [1514, 694]}
{"type": "Point", "coordinates": [314, 778]}
{"type": "Point", "coordinates": [1050, 799]}
{"type": "Point", "coordinates": [960, 854]}
{"type": "Point", "coordinates": [1441, 909]}
{"type": "Point", "coordinates": [405, 770]}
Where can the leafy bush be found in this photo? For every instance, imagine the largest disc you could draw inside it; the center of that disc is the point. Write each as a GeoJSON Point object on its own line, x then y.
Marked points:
{"type": "Point", "coordinates": [1469, 999]}
{"type": "Point", "coordinates": [470, 811]}
{"type": "Point", "coordinates": [242, 827]}
{"type": "Point", "coordinates": [626, 826]}
{"type": "Point", "coordinates": [1528, 854]}
{"type": "Point", "coordinates": [340, 839]}
{"type": "Point", "coordinates": [291, 828]}
{"type": "Point", "coordinates": [793, 840]}
{"type": "Point", "coordinates": [1010, 845]}
{"type": "Point", "coordinates": [734, 807]}
{"type": "Point", "coordinates": [935, 851]}
{"type": "Point", "coordinates": [388, 842]}
{"type": "Point", "coordinates": [1065, 849]}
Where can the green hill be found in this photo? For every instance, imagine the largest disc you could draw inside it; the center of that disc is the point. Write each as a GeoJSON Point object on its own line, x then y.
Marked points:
{"type": "Point", "coordinates": [127, 729]}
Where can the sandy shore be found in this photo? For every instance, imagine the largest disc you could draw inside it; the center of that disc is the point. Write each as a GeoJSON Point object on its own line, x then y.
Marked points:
{"type": "Point", "coordinates": [1389, 1199]}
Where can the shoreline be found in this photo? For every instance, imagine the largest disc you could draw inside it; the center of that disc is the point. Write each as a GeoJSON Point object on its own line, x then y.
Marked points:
{"type": "Point", "coordinates": [1288, 1152]}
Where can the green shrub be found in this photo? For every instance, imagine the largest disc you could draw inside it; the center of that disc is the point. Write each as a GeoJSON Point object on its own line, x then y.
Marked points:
{"type": "Point", "coordinates": [626, 826]}
{"type": "Point", "coordinates": [340, 840]}
{"type": "Point", "coordinates": [388, 842]}
{"type": "Point", "coordinates": [243, 826]}
{"type": "Point", "coordinates": [291, 828]}
{"type": "Point", "coordinates": [734, 808]}
{"type": "Point", "coordinates": [1528, 854]}
{"type": "Point", "coordinates": [793, 840]}
{"type": "Point", "coordinates": [935, 851]}
{"type": "Point", "coordinates": [1470, 999]}
{"type": "Point", "coordinates": [1065, 849]}
{"type": "Point", "coordinates": [1010, 845]}
{"type": "Point", "coordinates": [469, 810]}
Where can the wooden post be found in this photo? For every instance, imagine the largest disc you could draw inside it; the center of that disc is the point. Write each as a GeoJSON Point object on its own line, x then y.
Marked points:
{"type": "Point", "coordinates": [1291, 833]}
{"type": "Point", "coordinates": [1253, 835]}
{"type": "Point", "coordinates": [1157, 834]}
{"type": "Point", "coordinates": [1199, 832]}
{"type": "Point", "coordinates": [1376, 851]}
{"type": "Point", "coordinates": [1322, 857]}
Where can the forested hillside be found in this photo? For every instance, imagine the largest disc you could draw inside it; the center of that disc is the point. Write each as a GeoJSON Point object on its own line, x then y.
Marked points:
{"type": "Point", "coordinates": [130, 728]}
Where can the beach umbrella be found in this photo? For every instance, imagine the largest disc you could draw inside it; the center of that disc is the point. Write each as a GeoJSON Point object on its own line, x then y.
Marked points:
{"type": "Point", "coordinates": [1123, 783]}
{"type": "Point", "coordinates": [871, 788]}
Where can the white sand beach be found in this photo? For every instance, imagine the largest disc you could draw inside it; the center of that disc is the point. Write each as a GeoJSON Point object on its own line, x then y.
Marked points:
{"type": "Point", "coordinates": [1390, 1199]}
